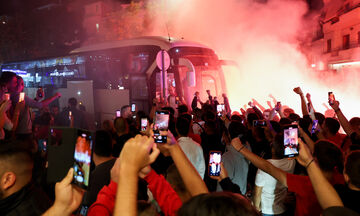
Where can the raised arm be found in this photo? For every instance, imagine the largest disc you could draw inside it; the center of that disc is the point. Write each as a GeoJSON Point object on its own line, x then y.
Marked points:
{"type": "Point", "coordinates": [256, 103]}
{"type": "Point", "coordinates": [304, 108]}
{"type": "Point", "coordinates": [342, 119]}
{"type": "Point", "coordinates": [47, 101]}
{"type": "Point", "coordinates": [191, 178]}
{"type": "Point", "coordinates": [260, 163]}
{"type": "Point", "coordinates": [133, 157]}
{"type": "Point", "coordinates": [324, 191]}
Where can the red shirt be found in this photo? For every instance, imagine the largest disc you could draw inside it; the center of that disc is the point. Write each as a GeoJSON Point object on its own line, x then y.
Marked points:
{"type": "Point", "coordinates": [306, 201]}
{"type": "Point", "coordinates": [105, 202]}
{"type": "Point", "coordinates": [337, 139]}
{"type": "Point", "coordinates": [165, 196]}
{"type": "Point", "coordinates": [195, 137]}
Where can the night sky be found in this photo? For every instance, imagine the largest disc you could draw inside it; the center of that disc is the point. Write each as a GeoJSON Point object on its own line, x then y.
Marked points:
{"type": "Point", "coordinates": [9, 7]}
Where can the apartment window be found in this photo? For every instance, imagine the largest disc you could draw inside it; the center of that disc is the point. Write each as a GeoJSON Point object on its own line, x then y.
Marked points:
{"type": "Point", "coordinates": [328, 45]}
{"type": "Point", "coordinates": [346, 41]}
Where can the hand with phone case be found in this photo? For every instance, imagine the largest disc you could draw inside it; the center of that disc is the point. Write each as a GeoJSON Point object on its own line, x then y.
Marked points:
{"type": "Point", "coordinates": [68, 197]}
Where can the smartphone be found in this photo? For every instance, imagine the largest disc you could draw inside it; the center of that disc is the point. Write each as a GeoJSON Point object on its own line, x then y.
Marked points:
{"type": "Point", "coordinates": [220, 108]}
{"type": "Point", "coordinates": [259, 123]}
{"type": "Point", "coordinates": [82, 159]}
{"type": "Point", "coordinates": [177, 100]}
{"type": "Point", "coordinates": [42, 145]}
{"type": "Point", "coordinates": [70, 115]}
{"type": "Point", "coordinates": [22, 96]}
{"type": "Point", "coordinates": [6, 96]}
{"type": "Point", "coordinates": [161, 123]}
{"type": "Point", "coordinates": [291, 140]}
{"type": "Point", "coordinates": [214, 163]}
{"type": "Point", "coordinates": [133, 107]}
{"type": "Point", "coordinates": [277, 107]}
{"type": "Point", "coordinates": [144, 124]}
{"type": "Point", "coordinates": [118, 113]}
{"type": "Point", "coordinates": [331, 98]}
{"type": "Point", "coordinates": [314, 126]}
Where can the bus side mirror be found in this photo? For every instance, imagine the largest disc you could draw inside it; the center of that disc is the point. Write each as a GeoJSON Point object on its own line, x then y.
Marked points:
{"type": "Point", "coordinates": [190, 74]}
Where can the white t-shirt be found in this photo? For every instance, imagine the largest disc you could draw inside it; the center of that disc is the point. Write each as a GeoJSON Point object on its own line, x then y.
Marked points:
{"type": "Point", "coordinates": [273, 192]}
{"type": "Point", "coordinates": [194, 153]}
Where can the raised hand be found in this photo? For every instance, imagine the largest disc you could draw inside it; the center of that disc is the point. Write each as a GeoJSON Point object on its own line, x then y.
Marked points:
{"type": "Point", "coordinates": [298, 90]}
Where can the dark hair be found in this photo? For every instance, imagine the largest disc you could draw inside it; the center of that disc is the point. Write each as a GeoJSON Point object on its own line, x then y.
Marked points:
{"type": "Point", "coordinates": [304, 123]}
{"type": "Point", "coordinates": [252, 117]}
{"type": "Point", "coordinates": [145, 208]}
{"type": "Point", "coordinates": [328, 156]}
{"type": "Point", "coordinates": [285, 121]}
{"type": "Point", "coordinates": [355, 122]}
{"type": "Point", "coordinates": [103, 143]}
{"type": "Point", "coordinates": [332, 124]}
{"type": "Point", "coordinates": [352, 167]}
{"type": "Point", "coordinates": [7, 76]}
{"type": "Point", "coordinates": [278, 145]}
{"type": "Point", "coordinates": [183, 126]}
{"type": "Point", "coordinates": [182, 109]}
{"type": "Point", "coordinates": [187, 116]}
{"type": "Point", "coordinates": [294, 117]}
{"type": "Point", "coordinates": [123, 108]}
{"type": "Point", "coordinates": [320, 117]}
{"type": "Point", "coordinates": [236, 129]}
{"type": "Point", "coordinates": [170, 109]}
{"type": "Point", "coordinates": [218, 204]}
{"type": "Point", "coordinates": [236, 118]}
{"type": "Point", "coordinates": [73, 102]}
{"type": "Point", "coordinates": [211, 127]}
{"type": "Point", "coordinates": [17, 154]}
{"type": "Point", "coordinates": [208, 115]}
{"type": "Point", "coordinates": [121, 125]}
{"type": "Point", "coordinates": [275, 126]}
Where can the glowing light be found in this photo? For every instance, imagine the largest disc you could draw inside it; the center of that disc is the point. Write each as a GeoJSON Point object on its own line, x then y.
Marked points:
{"type": "Point", "coordinates": [79, 93]}
{"type": "Point", "coordinates": [313, 65]}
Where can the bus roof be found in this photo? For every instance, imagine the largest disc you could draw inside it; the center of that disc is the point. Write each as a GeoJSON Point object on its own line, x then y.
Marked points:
{"type": "Point", "coordinates": [165, 43]}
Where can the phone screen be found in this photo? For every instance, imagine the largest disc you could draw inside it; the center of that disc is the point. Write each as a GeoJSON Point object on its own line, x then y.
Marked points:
{"type": "Point", "coordinates": [161, 124]}
{"type": "Point", "coordinates": [144, 123]}
{"type": "Point", "coordinates": [291, 143]}
{"type": "Point", "coordinates": [259, 123]}
{"type": "Point", "coordinates": [220, 108]}
{"type": "Point", "coordinates": [214, 163]}
{"type": "Point", "coordinates": [118, 113]}
{"type": "Point", "coordinates": [22, 96]}
{"type": "Point", "coordinates": [133, 107]}
{"type": "Point", "coordinates": [331, 98]}
{"type": "Point", "coordinates": [42, 145]}
{"type": "Point", "coordinates": [82, 159]}
{"type": "Point", "coordinates": [314, 126]}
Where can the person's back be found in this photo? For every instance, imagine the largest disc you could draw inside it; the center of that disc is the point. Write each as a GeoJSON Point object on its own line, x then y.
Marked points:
{"type": "Point", "coordinates": [234, 162]}
{"type": "Point", "coordinates": [122, 131]}
{"type": "Point", "coordinates": [102, 157]}
{"type": "Point", "coordinates": [19, 196]}
{"type": "Point", "coordinates": [192, 150]}
{"type": "Point", "coordinates": [350, 193]}
{"type": "Point", "coordinates": [273, 193]}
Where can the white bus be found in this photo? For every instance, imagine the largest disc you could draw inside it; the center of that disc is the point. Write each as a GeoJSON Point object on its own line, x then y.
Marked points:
{"type": "Point", "coordinates": [125, 71]}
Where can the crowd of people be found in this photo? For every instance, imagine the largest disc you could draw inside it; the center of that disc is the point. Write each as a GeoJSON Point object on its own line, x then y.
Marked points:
{"type": "Point", "coordinates": [133, 175]}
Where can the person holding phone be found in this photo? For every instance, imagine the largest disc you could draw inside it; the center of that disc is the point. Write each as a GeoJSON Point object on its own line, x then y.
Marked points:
{"type": "Point", "coordinates": [24, 127]}
{"type": "Point", "coordinates": [327, 155]}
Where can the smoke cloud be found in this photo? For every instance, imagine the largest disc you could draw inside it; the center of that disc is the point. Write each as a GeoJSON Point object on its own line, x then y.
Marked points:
{"type": "Point", "coordinates": [264, 39]}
